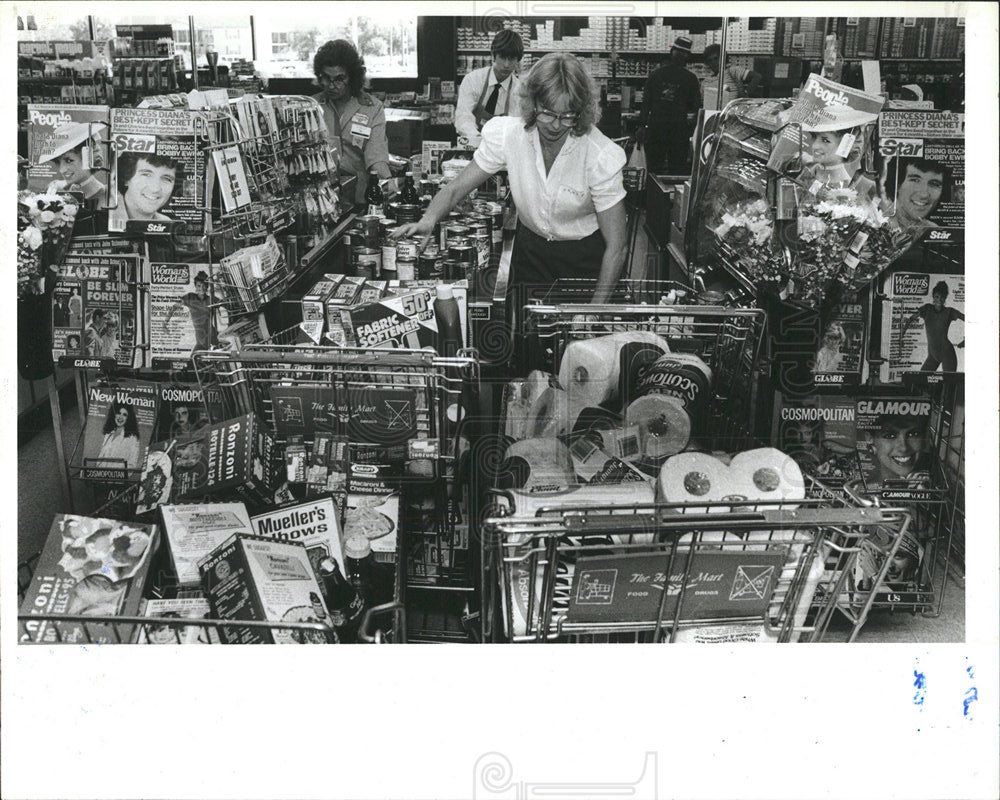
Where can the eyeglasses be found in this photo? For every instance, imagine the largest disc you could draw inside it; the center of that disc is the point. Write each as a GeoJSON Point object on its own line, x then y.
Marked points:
{"type": "Point", "coordinates": [565, 120]}
{"type": "Point", "coordinates": [327, 80]}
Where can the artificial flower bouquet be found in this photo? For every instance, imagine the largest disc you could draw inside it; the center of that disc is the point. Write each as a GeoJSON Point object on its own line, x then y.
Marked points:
{"type": "Point", "coordinates": [44, 228]}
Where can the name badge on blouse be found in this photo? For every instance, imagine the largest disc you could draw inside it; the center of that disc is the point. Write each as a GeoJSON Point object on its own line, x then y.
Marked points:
{"type": "Point", "coordinates": [361, 119]}
{"type": "Point", "coordinates": [360, 134]}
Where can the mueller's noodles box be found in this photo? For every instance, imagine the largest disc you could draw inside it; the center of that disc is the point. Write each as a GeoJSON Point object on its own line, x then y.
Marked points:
{"type": "Point", "coordinates": [314, 523]}
{"type": "Point", "coordinates": [405, 318]}
{"type": "Point", "coordinates": [249, 578]}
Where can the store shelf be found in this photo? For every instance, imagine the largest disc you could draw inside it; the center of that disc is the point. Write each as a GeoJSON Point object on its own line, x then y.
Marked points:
{"type": "Point", "coordinates": [477, 51]}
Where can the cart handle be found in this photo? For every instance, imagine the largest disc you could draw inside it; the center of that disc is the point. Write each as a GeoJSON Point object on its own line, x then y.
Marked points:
{"type": "Point", "coordinates": [378, 636]}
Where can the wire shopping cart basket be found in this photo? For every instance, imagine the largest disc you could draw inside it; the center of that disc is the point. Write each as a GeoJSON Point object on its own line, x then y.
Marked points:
{"type": "Point", "coordinates": [383, 623]}
{"type": "Point", "coordinates": [752, 572]}
{"type": "Point", "coordinates": [729, 340]}
{"type": "Point", "coordinates": [395, 406]}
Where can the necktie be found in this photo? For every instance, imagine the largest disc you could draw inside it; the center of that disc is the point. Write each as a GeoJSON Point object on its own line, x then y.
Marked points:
{"type": "Point", "coordinates": [491, 104]}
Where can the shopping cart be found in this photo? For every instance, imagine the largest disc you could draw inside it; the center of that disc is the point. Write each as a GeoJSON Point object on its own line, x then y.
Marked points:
{"type": "Point", "coordinates": [437, 553]}
{"type": "Point", "coordinates": [753, 572]}
{"type": "Point", "coordinates": [730, 341]}
{"type": "Point", "coordinates": [384, 623]}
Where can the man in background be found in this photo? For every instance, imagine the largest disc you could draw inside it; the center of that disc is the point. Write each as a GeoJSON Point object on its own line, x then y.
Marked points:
{"type": "Point", "coordinates": [736, 82]}
{"type": "Point", "coordinates": [669, 107]}
{"type": "Point", "coordinates": [490, 91]}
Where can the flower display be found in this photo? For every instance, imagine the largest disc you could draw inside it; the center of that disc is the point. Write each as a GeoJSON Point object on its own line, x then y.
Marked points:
{"type": "Point", "coordinates": [746, 231]}
{"type": "Point", "coordinates": [838, 236]}
{"type": "Point", "coordinates": [44, 227]}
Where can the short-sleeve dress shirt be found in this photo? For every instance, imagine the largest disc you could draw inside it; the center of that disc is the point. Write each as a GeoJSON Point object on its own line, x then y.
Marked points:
{"type": "Point", "coordinates": [585, 178]}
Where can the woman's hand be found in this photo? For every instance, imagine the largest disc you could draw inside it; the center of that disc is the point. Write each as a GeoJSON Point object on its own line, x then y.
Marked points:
{"type": "Point", "coordinates": [423, 228]}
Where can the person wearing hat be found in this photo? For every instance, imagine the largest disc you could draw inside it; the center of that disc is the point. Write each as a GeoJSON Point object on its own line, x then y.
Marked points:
{"type": "Point", "coordinates": [490, 91]}
{"type": "Point", "coordinates": [670, 103]}
{"type": "Point", "coordinates": [69, 159]}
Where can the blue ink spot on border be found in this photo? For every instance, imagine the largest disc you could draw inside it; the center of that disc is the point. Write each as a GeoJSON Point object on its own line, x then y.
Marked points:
{"type": "Point", "coordinates": [971, 696]}
{"type": "Point", "coordinates": [920, 682]}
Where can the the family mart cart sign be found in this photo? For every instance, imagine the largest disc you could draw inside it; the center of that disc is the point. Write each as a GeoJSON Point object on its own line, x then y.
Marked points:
{"type": "Point", "coordinates": [629, 588]}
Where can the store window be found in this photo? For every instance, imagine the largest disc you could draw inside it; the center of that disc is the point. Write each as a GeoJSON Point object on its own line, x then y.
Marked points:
{"type": "Point", "coordinates": [179, 24]}
{"type": "Point", "coordinates": [40, 22]}
{"type": "Point", "coordinates": [286, 44]}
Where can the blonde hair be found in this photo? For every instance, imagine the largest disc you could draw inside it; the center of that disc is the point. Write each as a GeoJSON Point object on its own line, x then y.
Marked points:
{"type": "Point", "coordinates": [557, 75]}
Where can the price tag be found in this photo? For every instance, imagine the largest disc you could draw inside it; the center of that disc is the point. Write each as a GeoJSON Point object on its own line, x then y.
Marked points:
{"type": "Point", "coordinates": [480, 311]}
{"type": "Point", "coordinates": [846, 143]}
{"type": "Point", "coordinates": [423, 448]}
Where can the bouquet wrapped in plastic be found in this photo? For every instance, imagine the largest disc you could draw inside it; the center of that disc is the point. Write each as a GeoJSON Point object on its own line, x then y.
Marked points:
{"type": "Point", "coordinates": [44, 228]}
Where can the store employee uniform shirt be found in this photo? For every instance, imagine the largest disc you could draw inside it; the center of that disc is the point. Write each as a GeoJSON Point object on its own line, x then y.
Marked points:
{"type": "Point", "coordinates": [557, 213]}
{"type": "Point", "coordinates": [475, 90]}
{"type": "Point", "coordinates": [359, 135]}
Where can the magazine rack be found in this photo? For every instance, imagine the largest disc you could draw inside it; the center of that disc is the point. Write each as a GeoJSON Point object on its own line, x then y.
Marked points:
{"type": "Point", "coordinates": [743, 214]}
{"type": "Point", "coordinates": [438, 551]}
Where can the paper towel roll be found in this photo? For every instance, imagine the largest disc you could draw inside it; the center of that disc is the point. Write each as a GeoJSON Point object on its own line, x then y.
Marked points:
{"type": "Point", "coordinates": [694, 478]}
{"type": "Point", "coordinates": [546, 462]}
{"type": "Point", "coordinates": [766, 474]}
{"type": "Point", "coordinates": [664, 426]}
{"type": "Point", "coordinates": [590, 368]}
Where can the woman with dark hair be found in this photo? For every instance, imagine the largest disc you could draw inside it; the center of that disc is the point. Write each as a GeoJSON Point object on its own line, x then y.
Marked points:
{"type": "Point", "coordinates": [355, 119]}
{"type": "Point", "coordinates": [121, 436]}
{"type": "Point", "coordinates": [937, 319]}
{"type": "Point", "coordinates": [565, 178]}
{"type": "Point", "coordinates": [146, 182]}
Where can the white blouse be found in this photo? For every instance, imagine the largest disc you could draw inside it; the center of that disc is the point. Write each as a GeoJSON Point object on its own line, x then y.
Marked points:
{"type": "Point", "coordinates": [585, 178]}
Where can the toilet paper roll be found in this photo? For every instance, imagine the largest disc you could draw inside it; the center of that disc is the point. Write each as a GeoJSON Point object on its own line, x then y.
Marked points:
{"type": "Point", "coordinates": [539, 463]}
{"type": "Point", "coordinates": [766, 474]}
{"type": "Point", "coordinates": [664, 426]}
{"type": "Point", "coordinates": [694, 478]}
{"type": "Point", "coordinates": [590, 368]}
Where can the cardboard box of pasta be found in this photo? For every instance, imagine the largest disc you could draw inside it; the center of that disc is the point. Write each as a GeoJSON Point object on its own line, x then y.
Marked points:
{"type": "Point", "coordinates": [241, 457]}
{"type": "Point", "coordinates": [256, 578]}
{"type": "Point", "coordinates": [88, 566]}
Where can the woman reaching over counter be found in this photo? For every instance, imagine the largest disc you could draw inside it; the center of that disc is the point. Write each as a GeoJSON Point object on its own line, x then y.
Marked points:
{"type": "Point", "coordinates": [565, 179]}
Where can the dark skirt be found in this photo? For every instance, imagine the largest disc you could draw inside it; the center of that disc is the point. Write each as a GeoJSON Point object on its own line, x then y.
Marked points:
{"type": "Point", "coordinates": [537, 263]}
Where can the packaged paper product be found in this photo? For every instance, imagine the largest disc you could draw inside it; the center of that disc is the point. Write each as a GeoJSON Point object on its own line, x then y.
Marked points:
{"type": "Point", "coordinates": [549, 413]}
{"type": "Point", "coordinates": [694, 478]}
{"type": "Point", "coordinates": [540, 463]}
{"type": "Point", "coordinates": [590, 368]}
{"type": "Point", "coordinates": [527, 503]}
{"type": "Point", "coordinates": [766, 473]}
{"type": "Point", "coordinates": [664, 426]}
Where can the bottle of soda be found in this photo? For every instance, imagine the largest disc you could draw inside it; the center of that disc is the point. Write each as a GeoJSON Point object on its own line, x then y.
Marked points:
{"type": "Point", "coordinates": [374, 198]}
{"type": "Point", "coordinates": [364, 572]}
{"type": "Point", "coordinates": [409, 194]}
{"type": "Point", "coordinates": [347, 607]}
